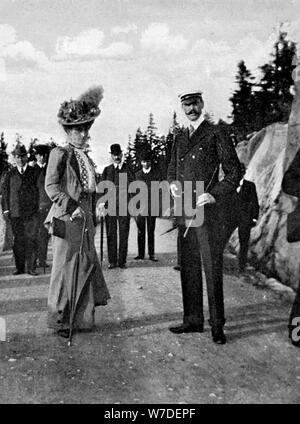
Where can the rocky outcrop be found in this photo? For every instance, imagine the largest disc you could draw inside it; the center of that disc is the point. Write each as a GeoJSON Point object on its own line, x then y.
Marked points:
{"type": "Point", "coordinates": [267, 156]}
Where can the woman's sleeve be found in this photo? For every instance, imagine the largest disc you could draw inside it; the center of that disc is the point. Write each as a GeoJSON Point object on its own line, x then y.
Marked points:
{"type": "Point", "coordinates": [55, 171]}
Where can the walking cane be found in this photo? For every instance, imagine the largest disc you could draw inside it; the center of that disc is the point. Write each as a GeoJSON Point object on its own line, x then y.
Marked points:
{"type": "Point", "coordinates": [101, 238]}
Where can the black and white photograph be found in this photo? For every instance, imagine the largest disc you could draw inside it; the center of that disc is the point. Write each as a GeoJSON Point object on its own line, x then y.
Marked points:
{"type": "Point", "coordinates": [149, 212]}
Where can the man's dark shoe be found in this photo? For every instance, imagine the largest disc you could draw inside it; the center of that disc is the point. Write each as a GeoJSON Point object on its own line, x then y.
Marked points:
{"type": "Point", "coordinates": [218, 335]}
{"type": "Point", "coordinates": [138, 258]}
{"type": "Point", "coordinates": [43, 265]}
{"type": "Point", "coordinates": [122, 266]}
{"type": "Point", "coordinates": [186, 328]}
{"type": "Point", "coordinates": [176, 267]}
{"type": "Point", "coordinates": [112, 266]}
{"type": "Point", "coordinates": [63, 333]}
{"type": "Point", "coordinates": [153, 259]}
{"type": "Point", "coordinates": [32, 272]}
{"type": "Point", "coordinates": [17, 272]}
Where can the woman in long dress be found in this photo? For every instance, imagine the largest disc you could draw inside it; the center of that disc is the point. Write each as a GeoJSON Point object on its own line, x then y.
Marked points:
{"type": "Point", "coordinates": [70, 184]}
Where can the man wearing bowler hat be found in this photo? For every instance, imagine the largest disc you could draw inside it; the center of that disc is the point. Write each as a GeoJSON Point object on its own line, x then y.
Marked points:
{"type": "Point", "coordinates": [119, 223]}
{"type": "Point", "coordinates": [147, 174]}
{"type": "Point", "coordinates": [20, 205]}
{"type": "Point", "coordinates": [197, 153]}
{"type": "Point", "coordinates": [41, 152]}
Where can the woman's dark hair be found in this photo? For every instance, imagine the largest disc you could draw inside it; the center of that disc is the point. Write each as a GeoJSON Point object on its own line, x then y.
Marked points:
{"type": "Point", "coordinates": [86, 126]}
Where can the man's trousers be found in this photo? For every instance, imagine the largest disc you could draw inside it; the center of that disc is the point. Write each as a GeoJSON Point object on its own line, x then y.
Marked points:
{"type": "Point", "coordinates": [113, 224]}
{"type": "Point", "coordinates": [25, 241]}
{"type": "Point", "coordinates": [141, 222]}
{"type": "Point", "coordinates": [202, 246]}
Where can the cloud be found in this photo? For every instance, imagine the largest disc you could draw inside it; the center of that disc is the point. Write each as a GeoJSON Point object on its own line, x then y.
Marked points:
{"type": "Point", "coordinates": [90, 43]}
{"type": "Point", "coordinates": [2, 70]}
{"type": "Point", "coordinates": [124, 29]}
{"type": "Point", "coordinates": [157, 37]}
{"type": "Point", "coordinates": [23, 50]}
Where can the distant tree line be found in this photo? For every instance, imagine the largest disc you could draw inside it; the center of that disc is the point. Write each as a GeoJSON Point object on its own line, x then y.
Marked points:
{"type": "Point", "coordinates": [256, 104]}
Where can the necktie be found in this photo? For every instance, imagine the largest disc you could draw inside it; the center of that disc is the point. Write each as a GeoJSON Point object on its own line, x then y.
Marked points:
{"type": "Point", "coordinates": [22, 170]}
{"type": "Point", "coordinates": [192, 130]}
{"type": "Point", "coordinates": [84, 176]}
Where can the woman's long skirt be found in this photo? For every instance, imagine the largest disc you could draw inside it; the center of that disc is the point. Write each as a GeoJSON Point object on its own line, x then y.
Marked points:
{"type": "Point", "coordinates": [95, 291]}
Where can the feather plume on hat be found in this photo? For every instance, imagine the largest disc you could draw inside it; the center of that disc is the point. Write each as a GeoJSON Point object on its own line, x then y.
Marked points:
{"type": "Point", "coordinates": [84, 109]}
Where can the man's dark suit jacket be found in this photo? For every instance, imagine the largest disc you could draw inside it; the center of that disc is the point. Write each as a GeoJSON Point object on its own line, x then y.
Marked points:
{"type": "Point", "coordinates": [248, 203]}
{"type": "Point", "coordinates": [198, 159]}
{"type": "Point", "coordinates": [110, 173]}
{"type": "Point", "coordinates": [153, 175]}
{"type": "Point", "coordinates": [291, 179]}
{"type": "Point", "coordinates": [20, 193]}
{"type": "Point", "coordinates": [44, 200]}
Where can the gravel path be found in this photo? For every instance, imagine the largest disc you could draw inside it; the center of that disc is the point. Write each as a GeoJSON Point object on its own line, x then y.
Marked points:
{"type": "Point", "coordinates": [131, 357]}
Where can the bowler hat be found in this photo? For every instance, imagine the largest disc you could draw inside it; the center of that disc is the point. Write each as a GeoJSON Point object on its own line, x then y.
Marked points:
{"type": "Point", "coordinates": [41, 149]}
{"type": "Point", "coordinates": [146, 156]}
{"type": "Point", "coordinates": [19, 150]}
{"type": "Point", "coordinates": [115, 149]}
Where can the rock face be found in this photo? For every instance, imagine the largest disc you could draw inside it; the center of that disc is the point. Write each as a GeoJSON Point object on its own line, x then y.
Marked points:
{"type": "Point", "coordinates": [267, 156]}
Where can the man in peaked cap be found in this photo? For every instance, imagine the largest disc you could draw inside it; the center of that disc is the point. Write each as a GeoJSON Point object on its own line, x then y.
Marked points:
{"type": "Point", "coordinates": [197, 153]}
{"type": "Point", "coordinates": [119, 222]}
{"type": "Point", "coordinates": [20, 206]}
{"type": "Point", "coordinates": [147, 174]}
{"type": "Point", "coordinates": [41, 152]}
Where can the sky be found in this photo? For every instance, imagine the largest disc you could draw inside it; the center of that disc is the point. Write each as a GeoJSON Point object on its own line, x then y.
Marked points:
{"type": "Point", "coordinates": [143, 53]}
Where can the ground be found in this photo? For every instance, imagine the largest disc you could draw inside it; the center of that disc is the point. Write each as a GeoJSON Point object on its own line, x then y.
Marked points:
{"type": "Point", "coordinates": [132, 357]}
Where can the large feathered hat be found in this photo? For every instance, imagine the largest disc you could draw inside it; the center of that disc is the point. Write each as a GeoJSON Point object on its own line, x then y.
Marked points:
{"type": "Point", "coordinates": [84, 109]}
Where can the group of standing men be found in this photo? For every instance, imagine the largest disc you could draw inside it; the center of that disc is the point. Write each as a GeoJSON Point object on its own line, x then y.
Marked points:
{"type": "Point", "coordinates": [25, 206]}
{"type": "Point", "coordinates": [118, 224]}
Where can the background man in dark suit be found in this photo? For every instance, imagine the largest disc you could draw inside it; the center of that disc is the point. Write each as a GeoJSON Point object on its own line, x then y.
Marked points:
{"type": "Point", "coordinates": [197, 154]}
{"type": "Point", "coordinates": [242, 213]}
{"type": "Point", "coordinates": [113, 173]}
{"type": "Point", "coordinates": [20, 206]}
{"type": "Point", "coordinates": [148, 173]}
{"type": "Point", "coordinates": [41, 152]}
{"type": "Point", "coordinates": [291, 186]}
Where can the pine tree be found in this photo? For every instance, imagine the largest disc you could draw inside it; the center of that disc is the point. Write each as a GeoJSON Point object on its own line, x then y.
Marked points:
{"type": "Point", "coordinates": [242, 102]}
{"type": "Point", "coordinates": [273, 98]}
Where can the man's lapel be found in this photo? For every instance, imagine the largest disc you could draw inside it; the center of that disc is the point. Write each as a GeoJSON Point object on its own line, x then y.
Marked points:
{"type": "Point", "coordinates": [189, 142]}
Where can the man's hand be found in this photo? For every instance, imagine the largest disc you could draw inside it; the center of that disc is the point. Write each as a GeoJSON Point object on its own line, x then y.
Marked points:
{"type": "Point", "coordinates": [205, 199]}
{"type": "Point", "coordinates": [100, 209]}
{"type": "Point", "coordinates": [6, 216]}
{"type": "Point", "coordinates": [173, 190]}
{"type": "Point", "coordinates": [78, 213]}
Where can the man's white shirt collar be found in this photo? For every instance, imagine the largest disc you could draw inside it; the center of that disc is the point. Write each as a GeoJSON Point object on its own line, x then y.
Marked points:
{"type": "Point", "coordinates": [146, 171]}
{"type": "Point", "coordinates": [196, 124]}
{"type": "Point", "coordinates": [22, 167]}
{"type": "Point", "coordinates": [118, 165]}
{"type": "Point", "coordinates": [41, 165]}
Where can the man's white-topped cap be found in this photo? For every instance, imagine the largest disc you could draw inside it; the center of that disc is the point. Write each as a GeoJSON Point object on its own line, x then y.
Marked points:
{"type": "Point", "coordinates": [187, 94]}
